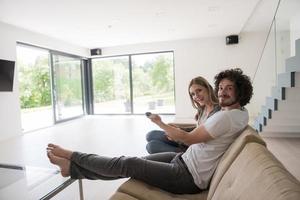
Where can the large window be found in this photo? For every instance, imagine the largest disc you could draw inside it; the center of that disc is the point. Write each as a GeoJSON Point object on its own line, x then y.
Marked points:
{"type": "Point", "coordinates": [50, 87]}
{"type": "Point", "coordinates": [153, 83]}
{"type": "Point", "coordinates": [134, 84]}
{"type": "Point", "coordinates": [68, 93]}
{"type": "Point", "coordinates": [111, 85]}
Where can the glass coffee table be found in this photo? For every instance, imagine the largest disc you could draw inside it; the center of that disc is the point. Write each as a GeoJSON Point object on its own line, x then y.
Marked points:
{"type": "Point", "coordinates": [19, 182]}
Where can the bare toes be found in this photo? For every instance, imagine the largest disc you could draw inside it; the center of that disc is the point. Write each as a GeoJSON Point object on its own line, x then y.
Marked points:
{"type": "Point", "coordinates": [62, 163]}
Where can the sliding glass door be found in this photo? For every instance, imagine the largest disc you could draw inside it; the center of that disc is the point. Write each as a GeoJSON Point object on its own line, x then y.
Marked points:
{"type": "Point", "coordinates": [134, 84]}
{"type": "Point", "coordinates": [67, 85]}
{"type": "Point", "coordinates": [35, 87]}
{"type": "Point", "coordinates": [50, 86]}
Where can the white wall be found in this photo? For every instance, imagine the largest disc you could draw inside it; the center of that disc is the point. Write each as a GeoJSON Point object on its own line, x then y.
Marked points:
{"type": "Point", "coordinates": [295, 31]}
{"type": "Point", "coordinates": [205, 57]}
{"type": "Point", "coordinates": [10, 121]}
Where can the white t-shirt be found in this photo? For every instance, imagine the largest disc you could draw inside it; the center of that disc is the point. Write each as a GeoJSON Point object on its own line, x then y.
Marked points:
{"type": "Point", "coordinates": [202, 158]}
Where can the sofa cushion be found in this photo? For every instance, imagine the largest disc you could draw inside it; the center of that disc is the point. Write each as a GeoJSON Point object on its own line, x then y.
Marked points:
{"type": "Point", "coordinates": [247, 136]}
{"type": "Point", "coordinates": [257, 175]}
{"type": "Point", "coordinates": [143, 191]}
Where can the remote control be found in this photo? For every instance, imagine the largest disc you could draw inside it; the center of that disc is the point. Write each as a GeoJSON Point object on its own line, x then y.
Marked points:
{"type": "Point", "coordinates": [148, 114]}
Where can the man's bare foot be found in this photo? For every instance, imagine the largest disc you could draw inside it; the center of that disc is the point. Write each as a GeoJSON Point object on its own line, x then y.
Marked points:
{"type": "Point", "coordinates": [62, 163]}
{"type": "Point", "coordinates": [59, 151]}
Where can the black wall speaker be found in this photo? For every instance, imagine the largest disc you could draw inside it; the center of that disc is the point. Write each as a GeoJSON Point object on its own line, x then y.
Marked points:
{"type": "Point", "coordinates": [232, 39]}
{"type": "Point", "coordinates": [96, 52]}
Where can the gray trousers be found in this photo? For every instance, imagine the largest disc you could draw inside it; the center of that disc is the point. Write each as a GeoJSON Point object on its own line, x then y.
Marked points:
{"type": "Point", "coordinates": [164, 170]}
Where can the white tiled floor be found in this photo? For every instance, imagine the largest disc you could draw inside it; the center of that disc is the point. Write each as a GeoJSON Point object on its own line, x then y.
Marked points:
{"type": "Point", "coordinates": [287, 151]}
{"type": "Point", "coordinates": [104, 135]}
{"type": "Point", "coordinates": [111, 136]}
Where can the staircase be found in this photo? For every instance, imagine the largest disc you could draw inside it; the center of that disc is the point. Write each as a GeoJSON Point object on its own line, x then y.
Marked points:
{"type": "Point", "coordinates": [280, 116]}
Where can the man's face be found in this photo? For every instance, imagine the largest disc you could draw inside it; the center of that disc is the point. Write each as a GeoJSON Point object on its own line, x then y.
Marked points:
{"type": "Point", "coordinates": [226, 93]}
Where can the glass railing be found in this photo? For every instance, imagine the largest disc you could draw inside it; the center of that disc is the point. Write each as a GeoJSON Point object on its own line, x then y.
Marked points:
{"type": "Point", "coordinates": [277, 24]}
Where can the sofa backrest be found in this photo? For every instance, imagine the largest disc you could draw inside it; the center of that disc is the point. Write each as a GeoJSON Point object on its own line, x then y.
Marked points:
{"type": "Point", "coordinates": [247, 136]}
{"type": "Point", "coordinates": [257, 175]}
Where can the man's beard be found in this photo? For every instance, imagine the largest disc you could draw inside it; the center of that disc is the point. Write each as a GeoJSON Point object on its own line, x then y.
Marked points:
{"type": "Point", "coordinates": [230, 103]}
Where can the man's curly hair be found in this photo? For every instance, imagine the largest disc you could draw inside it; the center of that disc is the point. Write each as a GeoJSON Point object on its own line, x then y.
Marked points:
{"type": "Point", "coordinates": [243, 85]}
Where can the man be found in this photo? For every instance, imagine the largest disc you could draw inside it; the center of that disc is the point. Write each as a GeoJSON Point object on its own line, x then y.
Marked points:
{"type": "Point", "coordinates": [188, 172]}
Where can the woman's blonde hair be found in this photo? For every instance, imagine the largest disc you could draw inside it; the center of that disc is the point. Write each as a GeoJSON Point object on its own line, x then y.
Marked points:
{"type": "Point", "coordinates": [204, 83]}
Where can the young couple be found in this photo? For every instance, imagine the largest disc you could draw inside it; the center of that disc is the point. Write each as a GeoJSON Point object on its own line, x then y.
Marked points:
{"type": "Point", "coordinates": [181, 173]}
{"type": "Point", "coordinates": [203, 100]}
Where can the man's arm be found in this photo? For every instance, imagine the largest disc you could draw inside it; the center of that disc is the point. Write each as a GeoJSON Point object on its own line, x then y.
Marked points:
{"type": "Point", "coordinates": [198, 135]}
{"type": "Point", "coordinates": [184, 126]}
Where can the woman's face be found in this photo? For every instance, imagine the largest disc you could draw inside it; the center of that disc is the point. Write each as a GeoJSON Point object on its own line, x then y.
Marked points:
{"type": "Point", "coordinates": [199, 94]}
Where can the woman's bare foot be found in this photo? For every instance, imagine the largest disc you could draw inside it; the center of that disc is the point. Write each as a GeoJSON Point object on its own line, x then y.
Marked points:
{"type": "Point", "coordinates": [59, 151]}
{"type": "Point", "coordinates": [63, 163]}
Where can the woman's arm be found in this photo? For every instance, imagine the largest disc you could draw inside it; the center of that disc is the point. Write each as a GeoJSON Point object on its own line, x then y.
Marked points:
{"type": "Point", "coordinates": [198, 135]}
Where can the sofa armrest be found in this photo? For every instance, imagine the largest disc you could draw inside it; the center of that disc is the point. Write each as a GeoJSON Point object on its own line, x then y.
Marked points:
{"type": "Point", "coordinates": [121, 196]}
{"type": "Point", "coordinates": [257, 174]}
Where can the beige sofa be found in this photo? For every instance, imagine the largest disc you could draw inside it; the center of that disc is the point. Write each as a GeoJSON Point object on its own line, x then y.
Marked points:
{"type": "Point", "coordinates": [247, 170]}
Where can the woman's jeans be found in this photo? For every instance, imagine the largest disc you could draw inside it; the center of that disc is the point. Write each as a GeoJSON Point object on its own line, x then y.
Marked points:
{"type": "Point", "coordinates": [164, 170]}
{"type": "Point", "coordinates": [158, 142]}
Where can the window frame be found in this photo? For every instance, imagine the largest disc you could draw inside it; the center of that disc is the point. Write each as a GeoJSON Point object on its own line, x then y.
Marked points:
{"type": "Point", "coordinates": [84, 76]}
{"type": "Point", "coordinates": [130, 80]}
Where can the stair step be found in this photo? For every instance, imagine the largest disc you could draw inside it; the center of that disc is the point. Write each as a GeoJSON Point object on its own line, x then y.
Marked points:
{"type": "Point", "coordinates": [266, 112]}
{"type": "Point", "coordinates": [278, 93]}
{"type": "Point", "coordinates": [289, 93]}
{"type": "Point", "coordinates": [280, 134]}
{"type": "Point", "coordinates": [292, 64]}
{"type": "Point", "coordinates": [271, 103]}
{"type": "Point", "coordinates": [286, 79]}
{"type": "Point", "coordinates": [257, 126]}
{"type": "Point", "coordinates": [262, 120]}
{"type": "Point", "coordinates": [297, 47]}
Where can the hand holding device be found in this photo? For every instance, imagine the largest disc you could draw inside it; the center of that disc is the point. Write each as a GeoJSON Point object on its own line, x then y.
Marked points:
{"type": "Point", "coordinates": [148, 114]}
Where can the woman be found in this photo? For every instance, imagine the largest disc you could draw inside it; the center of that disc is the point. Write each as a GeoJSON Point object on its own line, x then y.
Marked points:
{"type": "Point", "coordinates": [203, 100]}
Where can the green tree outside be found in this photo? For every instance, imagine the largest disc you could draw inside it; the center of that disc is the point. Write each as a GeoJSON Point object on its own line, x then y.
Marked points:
{"type": "Point", "coordinates": [109, 77]}
{"type": "Point", "coordinates": [35, 89]}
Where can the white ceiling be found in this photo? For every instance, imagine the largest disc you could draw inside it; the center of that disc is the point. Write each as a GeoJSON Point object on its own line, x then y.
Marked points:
{"type": "Point", "coordinates": [104, 23]}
